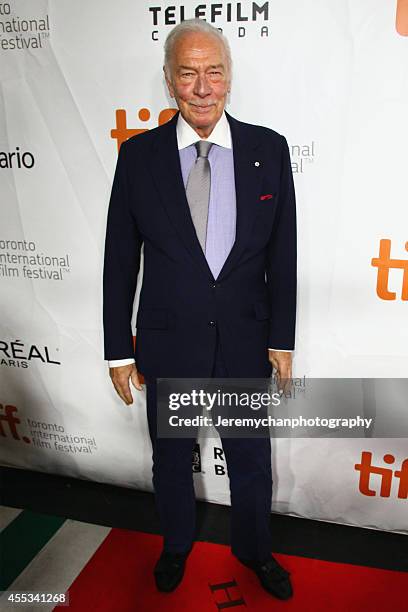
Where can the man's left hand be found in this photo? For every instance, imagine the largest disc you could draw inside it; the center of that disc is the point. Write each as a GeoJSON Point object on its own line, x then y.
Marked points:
{"type": "Point", "coordinates": [282, 362]}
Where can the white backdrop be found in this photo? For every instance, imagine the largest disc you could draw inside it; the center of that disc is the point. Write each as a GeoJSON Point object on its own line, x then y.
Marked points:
{"type": "Point", "coordinates": [332, 76]}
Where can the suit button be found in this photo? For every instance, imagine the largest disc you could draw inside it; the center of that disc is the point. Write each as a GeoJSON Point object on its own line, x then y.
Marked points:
{"type": "Point", "coordinates": [214, 285]}
{"type": "Point", "coordinates": [212, 323]}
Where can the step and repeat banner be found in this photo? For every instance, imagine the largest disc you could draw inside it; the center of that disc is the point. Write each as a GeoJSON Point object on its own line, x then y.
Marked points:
{"type": "Point", "coordinates": [77, 78]}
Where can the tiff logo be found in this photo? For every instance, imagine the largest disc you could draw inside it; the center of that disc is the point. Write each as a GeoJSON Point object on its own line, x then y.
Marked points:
{"type": "Point", "coordinates": [122, 132]}
{"type": "Point", "coordinates": [9, 422]}
{"type": "Point", "coordinates": [401, 18]}
{"type": "Point", "coordinates": [384, 263]}
{"type": "Point", "coordinates": [366, 468]}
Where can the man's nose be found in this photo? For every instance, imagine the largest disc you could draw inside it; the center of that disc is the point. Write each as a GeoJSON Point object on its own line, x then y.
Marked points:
{"type": "Point", "coordinates": [202, 87]}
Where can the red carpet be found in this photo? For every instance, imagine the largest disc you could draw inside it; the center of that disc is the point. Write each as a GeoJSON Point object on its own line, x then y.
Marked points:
{"type": "Point", "coordinates": [118, 578]}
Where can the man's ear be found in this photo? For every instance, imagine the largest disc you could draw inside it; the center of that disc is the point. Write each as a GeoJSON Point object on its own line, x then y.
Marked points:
{"type": "Point", "coordinates": [169, 84]}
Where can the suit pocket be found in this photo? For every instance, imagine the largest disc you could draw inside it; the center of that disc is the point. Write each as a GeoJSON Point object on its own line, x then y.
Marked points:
{"type": "Point", "coordinates": [262, 310]}
{"type": "Point", "coordinates": [152, 318]}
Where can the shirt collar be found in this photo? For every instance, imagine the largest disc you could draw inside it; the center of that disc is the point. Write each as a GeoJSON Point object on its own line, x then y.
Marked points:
{"type": "Point", "coordinates": [221, 134]}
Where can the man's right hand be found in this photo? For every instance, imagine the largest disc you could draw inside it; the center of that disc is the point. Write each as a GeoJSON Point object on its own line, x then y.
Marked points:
{"type": "Point", "coordinates": [120, 379]}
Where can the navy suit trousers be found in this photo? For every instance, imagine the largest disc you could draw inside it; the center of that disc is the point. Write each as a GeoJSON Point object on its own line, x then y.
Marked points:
{"type": "Point", "coordinates": [250, 477]}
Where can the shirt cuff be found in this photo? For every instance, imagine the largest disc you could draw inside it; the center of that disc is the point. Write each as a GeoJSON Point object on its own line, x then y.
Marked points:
{"type": "Point", "coordinates": [120, 362]}
{"type": "Point", "coordinates": [282, 350]}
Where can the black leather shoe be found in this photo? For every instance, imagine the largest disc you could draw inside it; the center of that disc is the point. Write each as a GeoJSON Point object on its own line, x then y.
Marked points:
{"type": "Point", "coordinates": [273, 577]}
{"type": "Point", "coordinates": [169, 570]}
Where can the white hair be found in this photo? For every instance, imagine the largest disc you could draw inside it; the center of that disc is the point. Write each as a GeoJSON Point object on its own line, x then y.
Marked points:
{"type": "Point", "coordinates": [193, 25]}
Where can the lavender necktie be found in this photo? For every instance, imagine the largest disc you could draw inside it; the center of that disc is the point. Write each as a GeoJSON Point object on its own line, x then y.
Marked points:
{"type": "Point", "coordinates": [198, 190]}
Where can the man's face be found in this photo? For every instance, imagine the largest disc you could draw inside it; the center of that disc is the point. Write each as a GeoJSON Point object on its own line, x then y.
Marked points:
{"type": "Point", "coordinates": [199, 80]}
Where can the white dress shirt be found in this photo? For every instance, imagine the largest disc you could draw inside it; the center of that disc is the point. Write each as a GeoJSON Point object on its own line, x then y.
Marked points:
{"type": "Point", "coordinates": [186, 136]}
{"type": "Point", "coordinates": [221, 134]}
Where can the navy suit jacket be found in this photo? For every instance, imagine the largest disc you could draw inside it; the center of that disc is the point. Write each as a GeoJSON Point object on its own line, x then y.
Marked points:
{"type": "Point", "coordinates": [252, 303]}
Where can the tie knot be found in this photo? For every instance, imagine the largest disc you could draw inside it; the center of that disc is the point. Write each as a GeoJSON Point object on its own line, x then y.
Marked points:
{"type": "Point", "coordinates": [203, 148]}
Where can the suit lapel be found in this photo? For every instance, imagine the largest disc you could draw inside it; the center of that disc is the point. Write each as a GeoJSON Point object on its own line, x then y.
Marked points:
{"type": "Point", "coordinates": [248, 174]}
{"type": "Point", "coordinates": [166, 172]}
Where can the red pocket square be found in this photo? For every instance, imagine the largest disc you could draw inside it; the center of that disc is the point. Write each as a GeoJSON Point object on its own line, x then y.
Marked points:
{"type": "Point", "coordinates": [267, 196]}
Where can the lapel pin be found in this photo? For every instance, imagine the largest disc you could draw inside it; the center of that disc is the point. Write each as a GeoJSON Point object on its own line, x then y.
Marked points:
{"type": "Point", "coordinates": [257, 164]}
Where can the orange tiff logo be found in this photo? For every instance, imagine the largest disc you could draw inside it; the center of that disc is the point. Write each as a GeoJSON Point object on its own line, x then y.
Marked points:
{"type": "Point", "coordinates": [366, 469]}
{"type": "Point", "coordinates": [121, 132]}
{"type": "Point", "coordinates": [401, 19]}
{"type": "Point", "coordinates": [384, 263]}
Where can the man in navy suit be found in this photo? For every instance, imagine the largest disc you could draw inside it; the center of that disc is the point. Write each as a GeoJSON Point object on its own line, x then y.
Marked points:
{"type": "Point", "coordinates": [212, 201]}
